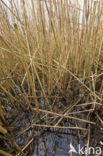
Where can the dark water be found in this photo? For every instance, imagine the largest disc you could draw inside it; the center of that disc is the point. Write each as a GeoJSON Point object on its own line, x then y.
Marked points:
{"type": "Point", "coordinates": [57, 144]}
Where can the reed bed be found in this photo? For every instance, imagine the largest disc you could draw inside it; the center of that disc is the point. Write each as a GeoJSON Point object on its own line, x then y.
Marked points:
{"type": "Point", "coordinates": [51, 66]}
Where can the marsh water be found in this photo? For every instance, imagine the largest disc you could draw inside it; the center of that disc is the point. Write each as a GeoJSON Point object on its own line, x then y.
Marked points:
{"type": "Point", "coordinates": [57, 144]}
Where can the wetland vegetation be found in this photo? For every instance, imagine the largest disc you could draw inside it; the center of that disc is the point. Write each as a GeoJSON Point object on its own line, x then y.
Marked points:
{"type": "Point", "coordinates": [51, 76]}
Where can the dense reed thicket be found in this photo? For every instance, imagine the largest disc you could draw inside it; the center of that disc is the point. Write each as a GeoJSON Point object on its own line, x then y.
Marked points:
{"type": "Point", "coordinates": [50, 49]}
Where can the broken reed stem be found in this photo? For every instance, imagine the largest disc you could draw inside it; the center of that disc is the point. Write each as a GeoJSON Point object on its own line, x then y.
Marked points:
{"type": "Point", "coordinates": [65, 116]}
{"type": "Point", "coordinates": [5, 132]}
{"type": "Point", "coordinates": [5, 153]}
{"type": "Point", "coordinates": [60, 127]}
{"type": "Point", "coordinates": [54, 44]}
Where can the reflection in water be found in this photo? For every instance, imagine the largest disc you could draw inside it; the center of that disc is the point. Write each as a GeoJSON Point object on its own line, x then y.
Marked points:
{"type": "Point", "coordinates": [53, 144]}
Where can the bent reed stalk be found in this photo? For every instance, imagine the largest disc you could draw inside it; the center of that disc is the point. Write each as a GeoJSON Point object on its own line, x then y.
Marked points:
{"type": "Point", "coordinates": [47, 48]}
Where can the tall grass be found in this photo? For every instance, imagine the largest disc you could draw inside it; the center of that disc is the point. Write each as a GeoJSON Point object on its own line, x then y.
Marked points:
{"type": "Point", "coordinates": [48, 46]}
{"type": "Point", "coordinates": [50, 38]}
